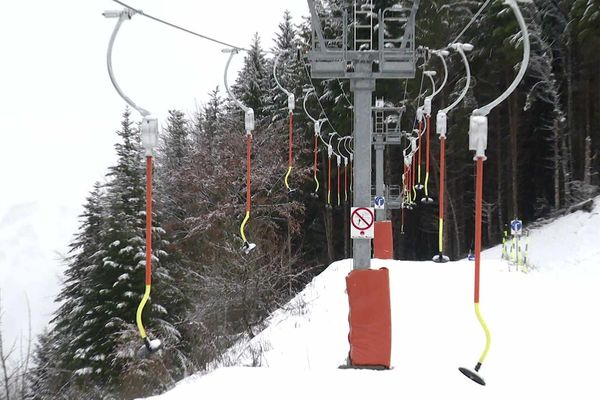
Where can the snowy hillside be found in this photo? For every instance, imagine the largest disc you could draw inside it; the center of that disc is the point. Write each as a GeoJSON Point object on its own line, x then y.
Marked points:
{"type": "Point", "coordinates": [545, 328]}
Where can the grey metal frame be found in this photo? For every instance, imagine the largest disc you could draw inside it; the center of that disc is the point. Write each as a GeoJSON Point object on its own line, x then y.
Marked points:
{"type": "Point", "coordinates": [363, 68]}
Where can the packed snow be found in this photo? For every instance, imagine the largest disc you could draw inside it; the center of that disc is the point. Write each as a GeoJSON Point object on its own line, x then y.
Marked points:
{"type": "Point", "coordinates": [545, 328]}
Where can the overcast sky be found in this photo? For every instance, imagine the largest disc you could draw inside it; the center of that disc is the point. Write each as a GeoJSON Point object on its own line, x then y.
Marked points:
{"type": "Point", "coordinates": [59, 112]}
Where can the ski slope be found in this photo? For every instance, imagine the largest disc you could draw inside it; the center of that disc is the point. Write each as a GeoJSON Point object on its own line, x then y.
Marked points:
{"type": "Point", "coordinates": [545, 328]}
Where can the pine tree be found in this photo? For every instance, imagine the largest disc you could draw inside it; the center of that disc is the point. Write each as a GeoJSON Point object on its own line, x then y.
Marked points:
{"type": "Point", "coordinates": [208, 121]}
{"type": "Point", "coordinates": [80, 295]}
{"type": "Point", "coordinates": [290, 71]}
{"type": "Point", "coordinates": [173, 161]}
{"type": "Point", "coordinates": [105, 281]}
{"type": "Point", "coordinates": [44, 378]}
{"type": "Point", "coordinates": [252, 87]}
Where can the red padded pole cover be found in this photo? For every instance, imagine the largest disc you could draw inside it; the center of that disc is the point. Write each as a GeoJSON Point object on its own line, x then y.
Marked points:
{"type": "Point", "coordinates": [383, 244]}
{"type": "Point", "coordinates": [370, 318]}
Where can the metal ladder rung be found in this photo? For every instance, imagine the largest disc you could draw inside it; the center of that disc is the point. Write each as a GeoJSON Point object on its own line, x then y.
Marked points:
{"type": "Point", "coordinates": [363, 26]}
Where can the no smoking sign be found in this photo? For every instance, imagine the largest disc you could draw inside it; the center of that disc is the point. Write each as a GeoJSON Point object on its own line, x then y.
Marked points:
{"type": "Point", "coordinates": [362, 223]}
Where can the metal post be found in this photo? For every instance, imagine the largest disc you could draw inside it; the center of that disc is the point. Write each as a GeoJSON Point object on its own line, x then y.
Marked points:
{"type": "Point", "coordinates": [363, 91]}
{"type": "Point", "coordinates": [379, 184]}
{"type": "Point", "coordinates": [517, 252]}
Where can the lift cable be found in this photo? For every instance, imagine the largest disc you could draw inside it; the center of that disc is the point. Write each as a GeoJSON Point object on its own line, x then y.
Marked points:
{"type": "Point", "coordinates": [172, 25]}
{"type": "Point", "coordinates": [317, 96]}
{"type": "Point", "coordinates": [477, 14]}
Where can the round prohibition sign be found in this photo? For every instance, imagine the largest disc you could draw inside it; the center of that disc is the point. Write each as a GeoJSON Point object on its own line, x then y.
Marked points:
{"type": "Point", "coordinates": [362, 219]}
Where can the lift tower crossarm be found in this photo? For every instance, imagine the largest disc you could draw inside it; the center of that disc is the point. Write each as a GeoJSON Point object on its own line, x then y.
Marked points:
{"type": "Point", "coordinates": [316, 25]}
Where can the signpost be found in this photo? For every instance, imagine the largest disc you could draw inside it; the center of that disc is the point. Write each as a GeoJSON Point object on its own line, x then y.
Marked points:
{"type": "Point", "coordinates": [516, 229]}
{"type": "Point", "coordinates": [362, 221]}
{"type": "Point", "coordinates": [379, 203]}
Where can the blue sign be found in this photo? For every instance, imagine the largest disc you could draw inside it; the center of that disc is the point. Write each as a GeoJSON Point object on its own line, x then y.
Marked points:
{"type": "Point", "coordinates": [379, 202]}
{"type": "Point", "coordinates": [516, 227]}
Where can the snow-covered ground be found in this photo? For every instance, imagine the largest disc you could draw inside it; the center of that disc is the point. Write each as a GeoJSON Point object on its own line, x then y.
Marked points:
{"type": "Point", "coordinates": [545, 327]}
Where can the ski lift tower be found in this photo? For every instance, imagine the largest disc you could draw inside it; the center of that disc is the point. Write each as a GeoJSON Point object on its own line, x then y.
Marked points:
{"type": "Point", "coordinates": [386, 130]}
{"type": "Point", "coordinates": [377, 44]}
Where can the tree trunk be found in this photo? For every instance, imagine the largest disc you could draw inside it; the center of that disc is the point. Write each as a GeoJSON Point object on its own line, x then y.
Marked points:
{"type": "Point", "coordinates": [585, 133]}
{"type": "Point", "coordinates": [289, 243]}
{"type": "Point", "coordinates": [587, 171]}
{"type": "Point", "coordinates": [568, 144]}
{"type": "Point", "coordinates": [513, 121]}
{"type": "Point", "coordinates": [490, 221]}
{"type": "Point", "coordinates": [565, 169]}
{"type": "Point", "coordinates": [499, 164]}
{"type": "Point", "coordinates": [327, 213]}
{"type": "Point", "coordinates": [455, 223]}
{"type": "Point", "coordinates": [555, 145]}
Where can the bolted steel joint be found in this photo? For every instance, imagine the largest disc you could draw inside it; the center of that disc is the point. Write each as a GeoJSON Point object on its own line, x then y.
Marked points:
{"type": "Point", "coordinates": [149, 130]}
{"type": "Point", "coordinates": [126, 13]}
{"type": "Point", "coordinates": [427, 106]}
{"type": "Point", "coordinates": [442, 124]}
{"type": "Point", "coordinates": [478, 134]}
{"type": "Point", "coordinates": [249, 121]}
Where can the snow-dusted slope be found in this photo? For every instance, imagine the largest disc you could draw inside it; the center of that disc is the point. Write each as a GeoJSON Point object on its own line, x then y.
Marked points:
{"type": "Point", "coordinates": [545, 328]}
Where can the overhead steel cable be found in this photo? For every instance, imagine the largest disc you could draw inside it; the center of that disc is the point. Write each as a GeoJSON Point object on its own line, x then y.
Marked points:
{"type": "Point", "coordinates": [477, 14]}
{"type": "Point", "coordinates": [172, 25]}
{"type": "Point", "coordinates": [344, 93]}
{"type": "Point", "coordinates": [317, 96]}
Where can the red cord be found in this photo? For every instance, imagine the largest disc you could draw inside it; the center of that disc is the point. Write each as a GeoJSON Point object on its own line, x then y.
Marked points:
{"type": "Point", "coordinates": [148, 220]}
{"type": "Point", "coordinates": [442, 175]}
{"type": "Point", "coordinates": [290, 156]}
{"type": "Point", "coordinates": [338, 183]}
{"type": "Point", "coordinates": [427, 145]}
{"type": "Point", "coordinates": [345, 183]}
{"type": "Point", "coordinates": [351, 176]}
{"type": "Point", "coordinates": [413, 172]}
{"type": "Point", "coordinates": [419, 144]}
{"type": "Point", "coordinates": [478, 212]}
{"type": "Point", "coordinates": [316, 156]}
{"type": "Point", "coordinates": [405, 178]}
{"type": "Point", "coordinates": [248, 169]}
{"type": "Point", "coordinates": [329, 181]}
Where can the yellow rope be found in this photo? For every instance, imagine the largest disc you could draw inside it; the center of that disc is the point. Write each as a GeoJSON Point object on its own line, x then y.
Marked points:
{"type": "Point", "coordinates": [426, 182]}
{"type": "Point", "coordinates": [243, 226]}
{"type": "Point", "coordinates": [138, 316]}
{"type": "Point", "coordinates": [287, 175]}
{"type": "Point", "coordinates": [441, 236]}
{"type": "Point", "coordinates": [488, 336]}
